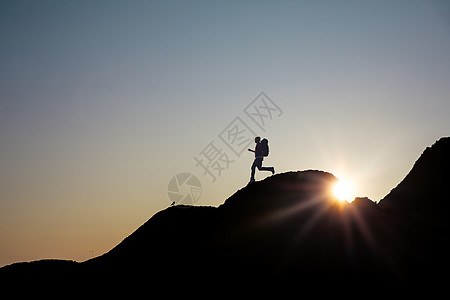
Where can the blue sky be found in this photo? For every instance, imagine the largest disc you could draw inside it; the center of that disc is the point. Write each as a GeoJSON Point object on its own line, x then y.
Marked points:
{"type": "Point", "coordinates": [103, 102]}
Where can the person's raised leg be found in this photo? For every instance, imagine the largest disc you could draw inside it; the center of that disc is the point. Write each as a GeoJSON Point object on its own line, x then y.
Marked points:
{"type": "Point", "coordinates": [271, 169]}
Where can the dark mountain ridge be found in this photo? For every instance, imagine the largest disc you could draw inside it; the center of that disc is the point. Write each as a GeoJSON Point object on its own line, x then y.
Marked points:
{"type": "Point", "coordinates": [287, 229]}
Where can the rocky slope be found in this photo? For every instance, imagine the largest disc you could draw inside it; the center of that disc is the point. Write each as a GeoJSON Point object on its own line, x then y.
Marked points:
{"type": "Point", "coordinates": [287, 230]}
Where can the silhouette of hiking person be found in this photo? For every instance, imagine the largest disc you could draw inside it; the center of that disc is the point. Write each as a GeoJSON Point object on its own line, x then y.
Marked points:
{"type": "Point", "coordinates": [261, 150]}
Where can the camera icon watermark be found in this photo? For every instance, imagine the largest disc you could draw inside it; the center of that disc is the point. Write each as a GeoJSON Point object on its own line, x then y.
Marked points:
{"type": "Point", "coordinates": [184, 188]}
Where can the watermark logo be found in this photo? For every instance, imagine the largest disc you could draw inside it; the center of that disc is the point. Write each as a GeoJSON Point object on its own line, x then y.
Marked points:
{"type": "Point", "coordinates": [237, 136]}
{"type": "Point", "coordinates": [262, 110]}
{"type": "Point", "coordinates": [219, 154]}
{"type": "Point", "coordinates": [213, 161]}
{"type": "Point", "coordinates": [184, 188]}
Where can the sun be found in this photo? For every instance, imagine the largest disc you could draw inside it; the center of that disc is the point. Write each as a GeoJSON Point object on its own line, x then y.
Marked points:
{"type": "Point", "coordinates": [343, 190]}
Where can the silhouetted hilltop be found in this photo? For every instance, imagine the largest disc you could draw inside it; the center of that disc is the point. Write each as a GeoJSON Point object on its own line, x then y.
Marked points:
{"type": "Point", "coordinates": [218, 241]}
{"type": "Point", "coordinates": [289, 229]}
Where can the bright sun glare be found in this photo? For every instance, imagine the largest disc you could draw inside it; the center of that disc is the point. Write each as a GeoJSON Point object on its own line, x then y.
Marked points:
{"type": "Point", "coordinates": [343, 190]}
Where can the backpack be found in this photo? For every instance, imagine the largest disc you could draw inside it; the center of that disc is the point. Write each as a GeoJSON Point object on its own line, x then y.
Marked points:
{"type": "Point", "coordinates": [265, 147]}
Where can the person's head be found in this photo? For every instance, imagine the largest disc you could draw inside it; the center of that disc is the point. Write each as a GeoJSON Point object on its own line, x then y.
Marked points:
{"type": "Point", "coordinates": [257, 139]}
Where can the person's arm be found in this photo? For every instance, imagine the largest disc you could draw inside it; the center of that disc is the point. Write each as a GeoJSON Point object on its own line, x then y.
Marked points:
{"type": "Point", "coordinates": [251, 150]}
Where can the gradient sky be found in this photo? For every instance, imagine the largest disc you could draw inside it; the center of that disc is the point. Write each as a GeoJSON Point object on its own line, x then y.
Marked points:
{"type": "Point", "coordinates": [103, 102]}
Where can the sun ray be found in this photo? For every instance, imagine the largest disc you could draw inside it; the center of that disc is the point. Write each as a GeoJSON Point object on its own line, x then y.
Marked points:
{"type": "Point", "coordinates": [362, 226]}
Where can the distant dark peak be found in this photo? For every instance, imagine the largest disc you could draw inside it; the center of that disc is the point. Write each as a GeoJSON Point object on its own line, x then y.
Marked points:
{"type": "Point", "coordinates": [363, 201]}
{"type": "Point", "coordinates": [438, 154]}
{"type": "Point", "coordinates": [426, 183]}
